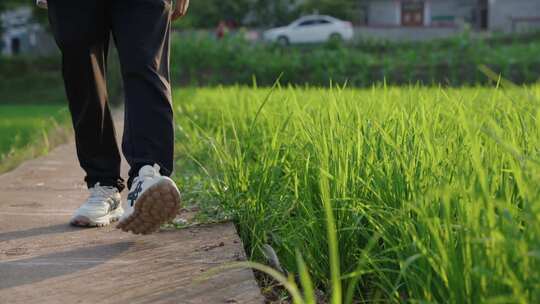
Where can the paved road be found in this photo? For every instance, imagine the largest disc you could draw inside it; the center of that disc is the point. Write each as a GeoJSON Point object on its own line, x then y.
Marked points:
{"type": "Point", "coordinates": [43, 260]}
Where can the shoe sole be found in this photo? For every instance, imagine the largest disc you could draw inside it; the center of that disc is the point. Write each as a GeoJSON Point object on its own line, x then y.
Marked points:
{"type": "Point", "coordinates": [159, 204]}
{"type": "Point", "coordinates": [83, 221]}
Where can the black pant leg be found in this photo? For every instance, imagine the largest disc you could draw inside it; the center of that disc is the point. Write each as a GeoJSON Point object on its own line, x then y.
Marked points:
{"type": "Point", "coordinates": [141, 29]}
{"type": "Point", "coordinates": [81, 30]}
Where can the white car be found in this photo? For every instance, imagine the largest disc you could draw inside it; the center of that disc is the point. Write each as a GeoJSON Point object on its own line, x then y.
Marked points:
{"type": "Point", "coordinates": [311, 29]}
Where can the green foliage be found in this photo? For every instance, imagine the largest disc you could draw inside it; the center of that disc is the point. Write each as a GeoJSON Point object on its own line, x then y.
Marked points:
{"type": "Point", "coordinates": [31, 81]}
{"type": "Point", "coordinates": [263, 13]}
{"type": "Point", "coordinates": [425, 194]}
{"type": "Point", "coordinates": [27, 131]}
{"type": "Point", "coordinates": [344, 9]}
{"type": "Point", "coordinates": [203, 60]}
{"type": "Point", "coordinates": [8, 4]}
{"type": "Point", "coordinates": [208, 13]}
{"type": "Point", "coordinates": [274, 13]}
{"type": "Point", "coordinates": [38, 80]}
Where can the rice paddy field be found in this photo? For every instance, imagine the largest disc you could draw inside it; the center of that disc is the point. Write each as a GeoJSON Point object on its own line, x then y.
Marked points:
{"type": "Point", "coordinates": [26, 131]}
{"type": "Point", "coordinates": [411, 194]}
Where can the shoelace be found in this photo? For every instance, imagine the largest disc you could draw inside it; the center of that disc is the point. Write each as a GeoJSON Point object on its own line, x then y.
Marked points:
{"type": "Point", "coordinates": [99, 194]}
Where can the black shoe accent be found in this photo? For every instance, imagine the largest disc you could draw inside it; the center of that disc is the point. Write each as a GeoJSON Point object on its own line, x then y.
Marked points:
{"type": "Point", "coordinates": [133, 195]}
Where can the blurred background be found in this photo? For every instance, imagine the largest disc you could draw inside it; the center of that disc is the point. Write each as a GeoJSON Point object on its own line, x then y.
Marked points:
{"type": "Point", "coordinates": [358, 43]}
{"type": "Point", "coordinates": [315, 42]}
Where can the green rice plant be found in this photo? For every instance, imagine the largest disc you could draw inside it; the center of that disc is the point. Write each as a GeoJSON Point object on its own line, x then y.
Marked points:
{"type": "Point", "coordinates": [392, 194]}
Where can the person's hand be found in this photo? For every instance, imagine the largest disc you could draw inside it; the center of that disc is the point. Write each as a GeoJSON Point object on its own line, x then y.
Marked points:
{"type": "Point", "coordinates": [42, 3]}
{"type": "Point", "coordinates": [180, 9]}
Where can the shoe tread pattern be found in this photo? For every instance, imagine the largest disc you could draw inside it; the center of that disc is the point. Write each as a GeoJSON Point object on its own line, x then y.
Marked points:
{"type": "Point", "coordinates": [159, 204]}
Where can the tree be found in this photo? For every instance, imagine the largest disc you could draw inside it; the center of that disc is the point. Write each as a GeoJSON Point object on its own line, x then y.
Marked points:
{"type": "Point", "coordinates": [344, 9]}
{"type": "Point", "coordinates": [208, 13]}
{"type": "Point", "coordinates": [276, 12]}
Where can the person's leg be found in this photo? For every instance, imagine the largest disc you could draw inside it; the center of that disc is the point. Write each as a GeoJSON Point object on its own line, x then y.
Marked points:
{"type": "Point", "coordinates": [141, 31]}
{"type": "Point", "coordinates": [81, 30]}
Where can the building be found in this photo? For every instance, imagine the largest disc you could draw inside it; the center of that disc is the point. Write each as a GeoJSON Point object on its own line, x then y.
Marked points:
{"type": "Point", "coordinates": [492, 15]}
{"type": "Point", "coordinates": [21, 35]}
{"type": "Point", "coordinates": [431, 19]}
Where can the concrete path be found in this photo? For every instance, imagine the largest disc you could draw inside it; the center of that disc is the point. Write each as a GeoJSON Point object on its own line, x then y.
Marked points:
{"type": "Point", "coordinates": [43, 260]}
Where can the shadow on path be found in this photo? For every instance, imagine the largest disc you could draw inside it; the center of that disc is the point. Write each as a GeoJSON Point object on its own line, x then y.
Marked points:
{"type": "Point", "coordinates": [19, 234]}
{"type": "Point", "coordinates": [36, 269]}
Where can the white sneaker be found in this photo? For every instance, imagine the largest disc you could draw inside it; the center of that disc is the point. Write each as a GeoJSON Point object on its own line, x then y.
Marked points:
{"type": "Point", "coordinates": [100, 209]}
{"type": "Point", "coordinates": [153, 200]}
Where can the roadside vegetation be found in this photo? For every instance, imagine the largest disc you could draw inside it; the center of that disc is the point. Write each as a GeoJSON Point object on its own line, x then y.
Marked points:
{"type": "Point", "coordinates": [33, 115]}
{"type": "Point", "coordinates": [27, 131]}
{"type": "Point", "coordinates": [27, 80]}
{"type": "Point", "coordinates": [200, 59]}
{"type": "Point", "coordinates": [33, 108]}
{"type": "Point", "coordinates": [411, 194]}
